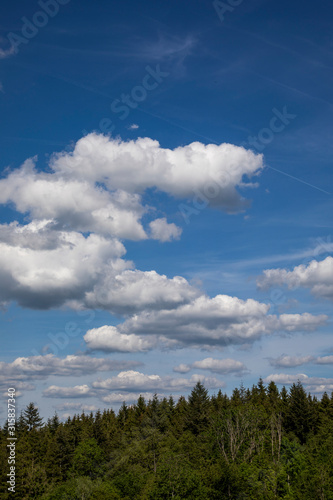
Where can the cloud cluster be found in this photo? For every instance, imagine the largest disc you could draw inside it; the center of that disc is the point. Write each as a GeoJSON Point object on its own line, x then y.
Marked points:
{"type": "Point", "coordinates": [78, 391]}
{"type": "Point", "coordinates": [41, 367]}
{"type": "Point", "coordinates": [41, 268]}
{"type": "Point", "coordinates": [98, 186]}
{"type": "Point", "coordinates": [203, 322]}
{"type": "Point", "coordinates": [135, 381]}
{"type": "Point", "coordinates": [285, 361]}
{"type": "Point", "coordinates": [131, 382]}
{"type": "Point", "coordinates": [312, 384]}
{"type": "Point", "coordinates": [134, 290]}
{"type": "Point", "coordinates": [135, 166]}
{"type": "Point", "coordinates": [213, 365]}
{"type": "Point", "coordinates": [69, 253]}
{"type": "Point", "coordinates": [317, 275]}
{"type": "Point", "coordinates": [108, 338]}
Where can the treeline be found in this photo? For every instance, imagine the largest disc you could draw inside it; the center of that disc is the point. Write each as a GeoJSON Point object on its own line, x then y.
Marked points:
{"type": "Point", "coordinates": [258, 444]}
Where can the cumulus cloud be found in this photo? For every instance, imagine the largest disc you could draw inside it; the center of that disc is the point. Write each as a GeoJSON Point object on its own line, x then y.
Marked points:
{"type": "Point", "coordinates": [220, 365]}
{"type": "Point", "coordinates": [214, 365]}
{"type": "Point", "coordinates": [58, 270]}
{"type": "Point", "coordinates": [73, 203]}
{"type": "Point", "coordinates": [43, 268]}
{"type": "Point", "coordinates": [98, 186]}
{"type": "Point", "coordinates": [161, 230]}
{"type": "Point", "coordinates": [182, 368]}
{"type": "Point", "coordinates": [317, 275]}
{"type": "Point", "coordinates": [285, 361]}
{"type": "Point", "coordinates": [134, 290]}
{"type": "Point", "coordinates": [298, 322]}
{"type": "Point", "coordinates": [70, 253]}
{"type": "Point", "coordinates": [127, 397]}
{"type": "Point", "coordinates": [216, 321]}
{"type": "Point", "coordinates": [311, 384]}
{"type": "Point", "coordinates": [135, 381]}
{"type": "Point", "coordinates": [135, 166]}
{"type": "Point", "coordinates": [108, 338]}
{"type": "Point", "coordinates": [76, 406]}
{"type": "Point", "coordinates": [41, 367]}
{"type": "Point", "coordinates": [324, 360]}
{"type": "Point", "coordinates": [131, 383]}
{"type": "Point", "coordinates": [78, 391]}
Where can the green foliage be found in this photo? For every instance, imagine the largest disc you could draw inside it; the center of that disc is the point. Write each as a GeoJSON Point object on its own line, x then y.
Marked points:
{"type": "Point", "coordinates": [87, 459]}
{"type": "Point", "coordinates": [259, 444]}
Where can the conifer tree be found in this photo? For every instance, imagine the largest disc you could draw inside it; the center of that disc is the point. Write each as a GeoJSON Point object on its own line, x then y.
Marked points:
{"type": "Point", "coordinates": [31, 418]}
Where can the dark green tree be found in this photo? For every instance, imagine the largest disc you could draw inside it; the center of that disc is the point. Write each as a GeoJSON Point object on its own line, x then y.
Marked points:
{"type": "Point", "coordinates": [31, 418]}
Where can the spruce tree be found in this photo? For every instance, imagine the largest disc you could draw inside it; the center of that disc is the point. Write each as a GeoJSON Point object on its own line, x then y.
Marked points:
{"type": "Point", "coordinates": [31, 418]}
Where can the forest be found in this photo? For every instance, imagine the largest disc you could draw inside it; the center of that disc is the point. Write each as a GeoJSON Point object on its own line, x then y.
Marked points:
{"type": "Point", "coordinates": [259, 444]}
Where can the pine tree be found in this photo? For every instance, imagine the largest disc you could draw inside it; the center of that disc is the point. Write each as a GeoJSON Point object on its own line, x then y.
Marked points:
{"type": "Point", "coordinates": [198, 404]}
{"type": "Point", "coordinates": [31, 418]}
{"type": "Point", "coordinates": [299, 412]}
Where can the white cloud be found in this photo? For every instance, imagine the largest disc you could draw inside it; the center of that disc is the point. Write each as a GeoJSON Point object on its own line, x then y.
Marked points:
{"type": "Point", "coordinates": [41, 268]}
{"type": "Point", "coordinates": [217, 321]}
{"type": "Point", "coordinates": [97, 186]}
{"type": "Point", "coordinates": [134, 126]}
{"type": "Point", "coordinates": [324, 360]}
{"type": "Point", "coordinates": [134, 166]}
{"type": "Point", "coordinates": [311, 384]}
{"type": "Point", "coordinates": [214, 365]}
{"type": "Point", "coordinates": [182, 368]}
{"type": "Point", "coordinates": [299, 322]}
{"type": "Point", "coordinates": [108, 338]}
{"type": "Point", "coordinates": [220, 365]}
{"type": "Point", "coordinates": [78, 391]}
{"type": "Point", "coordinates": [128, 397]}
{"type": "Point", "coordinates": [136, 290]}
{"type": "Point", "coordinates": [46, 273]}
{"type": "Point", "coordinates": [42, 367]}
{"type": "Point", "coordinates": [318, 276]}
{"type": "Point", "coordinates": [77, 406]}
{"type": "Point", "coordinates": [161, 230]}
{"type": "Point", "coordinates": [97, 190]}
{"type": "Point", "coordinates": [136, 381]}
{"type": "Point", "coordinates": [131, 383]}
{"type": "Point", "coordinates": [290, 361]}
{"type": "Point", "coordinates": [73, 203]}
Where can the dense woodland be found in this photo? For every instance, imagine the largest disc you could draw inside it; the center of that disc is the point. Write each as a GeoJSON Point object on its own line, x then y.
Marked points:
{"type": "Point", "coordinates": [258, 444]}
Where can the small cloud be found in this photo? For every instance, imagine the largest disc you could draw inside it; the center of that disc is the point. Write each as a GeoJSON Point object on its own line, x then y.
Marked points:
{"type": "Point", "coordinates": [161, 230]}
{"type": "Point", "coordinates": [134, 126]}
{"type": "Point", "coordinates": [285, 361]}
{"type": "Point", "coordinates": [182, 368]}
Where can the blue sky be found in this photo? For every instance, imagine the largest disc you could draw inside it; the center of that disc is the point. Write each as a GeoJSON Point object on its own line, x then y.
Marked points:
{"type": "Point", "coordinates": [165, 198]}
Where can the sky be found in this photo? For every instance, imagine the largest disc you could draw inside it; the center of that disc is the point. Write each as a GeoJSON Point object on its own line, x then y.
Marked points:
{"type": "Point", "coordinates": [165, 199]}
